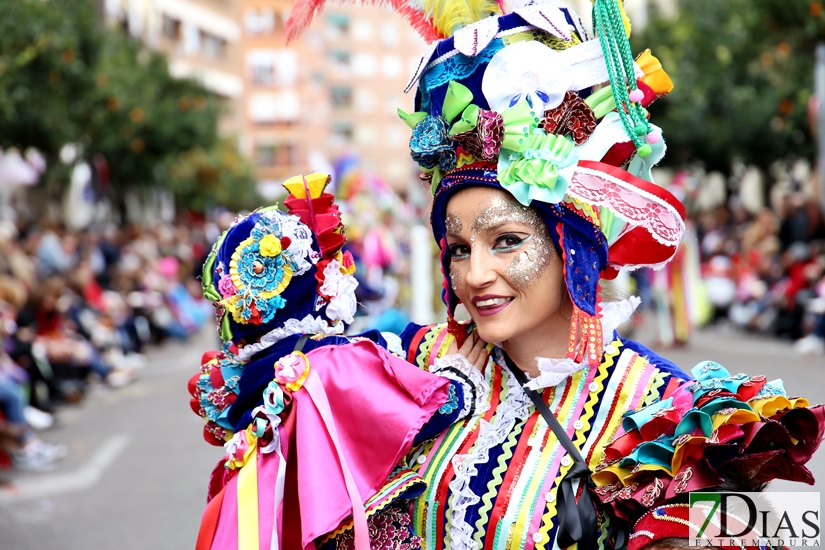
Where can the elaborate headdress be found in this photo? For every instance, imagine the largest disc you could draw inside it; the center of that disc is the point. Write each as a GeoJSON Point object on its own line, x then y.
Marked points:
{"type": "Point", "coordinates": [273, 274]}
{"type": "Point", "coordinates": [530, 103]}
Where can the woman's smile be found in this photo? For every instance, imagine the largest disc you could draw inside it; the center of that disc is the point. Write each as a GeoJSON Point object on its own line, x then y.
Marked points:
{"type": "Point", "coordinates": [488, 305]}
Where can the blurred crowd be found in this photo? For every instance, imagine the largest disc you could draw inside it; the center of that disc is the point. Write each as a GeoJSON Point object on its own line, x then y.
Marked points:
{"type": "Point", "coordinates": [765, 272]}
{"type": "Point", "coordinates": [77, 311]}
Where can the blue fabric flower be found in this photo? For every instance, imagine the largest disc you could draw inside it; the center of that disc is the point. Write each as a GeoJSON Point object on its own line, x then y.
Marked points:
{"type": "Point", "coordinates": [431, 145]}
{"type": "Point", "coordinates": [260, 273]}
{"type": "Point", "coordinates": [452, 402]}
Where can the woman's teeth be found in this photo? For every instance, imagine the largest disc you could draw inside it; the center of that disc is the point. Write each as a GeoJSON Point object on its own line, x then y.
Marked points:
{"type": "Point", "coordinates": [492, 302]}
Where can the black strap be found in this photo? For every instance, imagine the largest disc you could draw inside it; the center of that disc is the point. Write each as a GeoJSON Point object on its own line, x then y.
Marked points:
{"type": "Point", "coordinates": [577, 521]}
{"type": "Point", "coordinates": [299, 345]}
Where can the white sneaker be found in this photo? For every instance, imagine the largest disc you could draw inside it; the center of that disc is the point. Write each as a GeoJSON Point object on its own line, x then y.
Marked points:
{"type": "Point", "coordinates": [38, 419]}
{"type": "Point", "coordinates": [810, 345]}
{"type": "Point", "coordinates": [49, 451]}
{"type": "Point", "coordinates": [39, 456]}
{"type": "Point", "coordinates": [120, 377]}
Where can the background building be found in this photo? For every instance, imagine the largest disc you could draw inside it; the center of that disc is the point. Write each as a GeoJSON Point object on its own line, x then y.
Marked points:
{"type": "Point", "coordinates": [201, 39]}
{"type": "Point", "coordinates": [332, 92]}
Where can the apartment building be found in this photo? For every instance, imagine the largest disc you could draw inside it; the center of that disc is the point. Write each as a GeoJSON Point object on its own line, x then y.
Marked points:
{"type": "Point", "coordinates": [201, 39]}
{"type": "Point", "coordinates": [332, 92]}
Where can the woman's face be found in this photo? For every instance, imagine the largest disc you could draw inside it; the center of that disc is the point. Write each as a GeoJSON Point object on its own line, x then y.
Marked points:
{"type": "Point", "coordinates": [503, 267]}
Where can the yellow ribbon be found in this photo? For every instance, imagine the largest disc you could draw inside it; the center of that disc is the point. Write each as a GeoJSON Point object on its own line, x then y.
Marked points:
{"type": "Point", "coordinates": [248, 503]}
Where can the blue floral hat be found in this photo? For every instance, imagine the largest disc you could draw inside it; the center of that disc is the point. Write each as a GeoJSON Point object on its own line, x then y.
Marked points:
{"type": "Point", "coordinates": [273, 274]}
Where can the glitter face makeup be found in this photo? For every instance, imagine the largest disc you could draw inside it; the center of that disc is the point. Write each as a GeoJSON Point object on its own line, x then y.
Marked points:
{"type": "Point", "coordinates": [502, 210]}
{"type": "Point", "coordinates": [536, 249]}
{"type": "Point", "coordinates": [529, 265]}
{"type": "Point", "coordinates": [453, 224]}
{"type": "Point", "coordinates": [503, 266]}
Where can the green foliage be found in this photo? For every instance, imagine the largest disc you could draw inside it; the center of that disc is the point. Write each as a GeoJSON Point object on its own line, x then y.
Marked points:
{"type": "Point", "coordinates": [139, 116]}
{"type": "Point", "coordinates": [64, 78]}
{"type": "Point", "coordinates": [743, 76]}
{"type": "Point", "coordinates": [203, 178]}
{"type": "Point", "coordinates": [47, 54]}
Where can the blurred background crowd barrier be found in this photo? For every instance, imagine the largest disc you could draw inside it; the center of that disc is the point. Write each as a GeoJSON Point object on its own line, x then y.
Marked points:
{"type": "Point", "coordinates": [132, 131]}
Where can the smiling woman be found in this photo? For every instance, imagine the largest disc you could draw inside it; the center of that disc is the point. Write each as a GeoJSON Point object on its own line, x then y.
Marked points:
{"type": "Point", "coordinates": [541, 190]}
{"type": "Point", "coordinates": [502, 259]}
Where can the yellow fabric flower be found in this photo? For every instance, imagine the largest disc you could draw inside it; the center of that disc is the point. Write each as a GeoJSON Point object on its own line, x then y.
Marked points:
{"type": "Point", "coordinates": [655, 76]}
{"type": "Point", "coordinates": [270, 246]}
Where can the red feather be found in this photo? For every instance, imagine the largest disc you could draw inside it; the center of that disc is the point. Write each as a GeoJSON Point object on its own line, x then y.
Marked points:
{"type": "Point", "coordinates": [304, 11]}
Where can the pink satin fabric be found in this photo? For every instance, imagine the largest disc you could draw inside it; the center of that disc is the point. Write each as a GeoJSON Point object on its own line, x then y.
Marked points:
{"type": "Point", "coordinates": [378, 403]}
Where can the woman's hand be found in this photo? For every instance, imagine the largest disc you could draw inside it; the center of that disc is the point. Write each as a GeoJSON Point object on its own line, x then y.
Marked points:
{"type": "Point", "coordinates": [474, 349]}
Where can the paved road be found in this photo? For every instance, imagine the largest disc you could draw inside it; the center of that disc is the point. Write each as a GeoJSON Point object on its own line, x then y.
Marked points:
{"type": "Point", "coordinates": [138, 466]}
{"type": "Point", "coordinates": [136, 476]}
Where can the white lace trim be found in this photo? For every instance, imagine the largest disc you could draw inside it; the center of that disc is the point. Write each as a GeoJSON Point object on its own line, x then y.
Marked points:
{"type": "Point", "coordinates": [472, 380]}
{"type": "Point", "coordinates": [516, 406]}
{"type": "Point", "coordinates": [307, 325]}
{"type": "Point", "coordinates": [633, 205]}
{"type": "Point", "coordinates": [553, 371]}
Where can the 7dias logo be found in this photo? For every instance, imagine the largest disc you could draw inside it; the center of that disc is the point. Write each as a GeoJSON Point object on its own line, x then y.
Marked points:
{"type": "Point", "coordinates": [754, 519]}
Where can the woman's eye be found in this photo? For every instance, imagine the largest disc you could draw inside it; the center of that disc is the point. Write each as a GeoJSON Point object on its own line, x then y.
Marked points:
{"type": "Point", "coordinates": [506, 242]}
{"type": "Point", "coordinates": [459, 251]}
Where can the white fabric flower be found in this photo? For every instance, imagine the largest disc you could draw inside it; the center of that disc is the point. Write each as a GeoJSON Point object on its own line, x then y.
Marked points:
{"type": "Point", "coordinates": [343, 305]}
{"type": "Point", "coordinates": [332, 276]}
{"type": "Point", "coordinates": [527, 70]}
{"type": "Point", "coordinates": [552, 372]}
{"type": "Point", "coordinates": [300, 246]}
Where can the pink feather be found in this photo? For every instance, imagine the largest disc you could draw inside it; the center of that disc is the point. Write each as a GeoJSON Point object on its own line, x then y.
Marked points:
{"type": "Point", "coordinates": [304, 11]}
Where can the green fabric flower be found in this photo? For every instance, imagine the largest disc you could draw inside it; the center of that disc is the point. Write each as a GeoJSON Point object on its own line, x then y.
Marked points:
{"type": "Point", "coordinates": [541, 170]}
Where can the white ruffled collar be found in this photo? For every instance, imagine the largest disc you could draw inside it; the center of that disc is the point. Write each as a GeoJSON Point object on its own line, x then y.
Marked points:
{"type": "Point", "coordinates": [553, 371]}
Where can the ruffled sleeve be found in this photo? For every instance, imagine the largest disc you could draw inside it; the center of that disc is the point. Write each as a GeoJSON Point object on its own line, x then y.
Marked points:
{"type": "Point", "coordinates": [714, 430]}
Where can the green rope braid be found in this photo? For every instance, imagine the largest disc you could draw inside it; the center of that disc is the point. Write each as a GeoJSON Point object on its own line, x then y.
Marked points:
{"type": "Point", "coordinates": [607, 20]}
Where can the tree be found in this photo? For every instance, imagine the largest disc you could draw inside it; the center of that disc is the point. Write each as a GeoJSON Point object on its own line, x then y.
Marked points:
{"type": "Point", "coordinates": [743, 76]}
{"type": "Point", "coordinates": [218, 176]}
{"type": "Point", "coordinates": [48, 51]}
{"type": "Point", "coordinates": [139, 117]}
{"type": "Point", "coordinates": [64, 78]}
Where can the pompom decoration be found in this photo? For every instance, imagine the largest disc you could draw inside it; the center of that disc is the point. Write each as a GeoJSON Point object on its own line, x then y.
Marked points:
{"type": "Point", "coordinates": [654, 137]}
{"type": "Point", "coordinates": [636, 96]}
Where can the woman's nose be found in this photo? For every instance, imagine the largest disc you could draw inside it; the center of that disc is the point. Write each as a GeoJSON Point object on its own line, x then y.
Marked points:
{"type": "Point", "coordinates": [481, 271]}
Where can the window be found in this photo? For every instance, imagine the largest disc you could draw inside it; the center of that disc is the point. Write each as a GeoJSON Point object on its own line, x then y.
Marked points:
{"type": "Point", "coordinates": [272, 67]}
{"type": "Point", "coordinates": [341, 97]}
{"type": "Point", "coordinates": [272, 107]}
{"type": "Point", "coordinates": [275, 155]}
{"type": "Point", "coordinates": [364, 65]}
{"type": "Point", "coordinates": [171, 28]}
{"type": "Point", "coordinates": [191, 39]}
{"type": "Point", "coordinates": [391, 66]}
{"type": "Point", "coordinates": [213, 47]}
{"type": "Point", "coordinates": [342, 133]}
{"type": "Point", "coordinates": [266, 21]}
{"type": "Point", "coordinates": [364, 100]}
{"type": "Point", "coordinates": [389, 35]}
{"type": "Point", "coordinates": [339, 59]}
{"type": "Point", "coordinates": [265, 155]}
{"type": "Point", "coordinates": [263, 21]}
{"type": "Point", "coordinates": [337, 26]}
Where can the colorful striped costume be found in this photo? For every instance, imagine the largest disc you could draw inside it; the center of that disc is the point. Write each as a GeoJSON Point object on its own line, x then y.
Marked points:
{"type": "Point", "coordinates": [491, 478]}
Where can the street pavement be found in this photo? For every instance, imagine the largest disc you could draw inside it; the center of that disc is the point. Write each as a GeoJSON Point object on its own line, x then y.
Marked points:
{"type": "Point", "coordinates": [138, 466]}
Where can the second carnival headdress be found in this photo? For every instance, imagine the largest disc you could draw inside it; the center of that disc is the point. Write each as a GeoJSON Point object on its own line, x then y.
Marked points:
{"type": "Point", "coordinates": [521, 96]}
